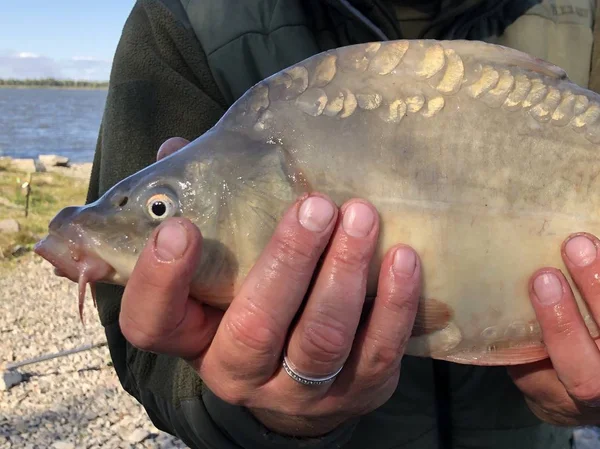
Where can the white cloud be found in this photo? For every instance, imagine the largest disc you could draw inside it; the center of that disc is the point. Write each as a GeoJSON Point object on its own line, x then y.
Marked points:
{"type": "Point", "coordinates": [25, 54]}
{"type": "Point", "coordinates": [87, 58]}
{"type": "Point", "coordinates": [22, 65]}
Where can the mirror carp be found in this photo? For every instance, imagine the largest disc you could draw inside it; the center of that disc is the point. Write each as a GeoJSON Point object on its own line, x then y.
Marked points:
{"type": "Point", "coordinates": [482, 158]}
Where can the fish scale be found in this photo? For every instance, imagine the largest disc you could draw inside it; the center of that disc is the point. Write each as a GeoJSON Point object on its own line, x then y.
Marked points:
{"type": "Point", "coordinates": [480, 157]}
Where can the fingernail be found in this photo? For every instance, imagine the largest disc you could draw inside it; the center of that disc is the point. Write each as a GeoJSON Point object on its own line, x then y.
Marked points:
{"type": "Point", "coordinates": [358, 220]}
{"type": "Point", "coordinates": [548, 289]}
{"type": "Point", "coordinates": [315, 214]}
{"type": "Point", "coordinates": [404, 261]}
{"type": "Point", "coordinates": [171, 241]}
{"type": "Point", "coordinates": [581, 251]}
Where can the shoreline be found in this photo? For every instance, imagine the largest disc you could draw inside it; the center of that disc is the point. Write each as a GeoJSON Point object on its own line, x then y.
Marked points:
{"type": "Point", "coordinates": [41, 86]}
{"type": "Point", "coordinates": [47, 163]}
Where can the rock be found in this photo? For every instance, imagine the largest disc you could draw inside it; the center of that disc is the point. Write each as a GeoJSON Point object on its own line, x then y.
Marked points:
{"type": "Point", "coordinates": [81, 171]}
{"type": "Point", "coordinates": [21, 427]}
{"type": "Point", "coordinates": [39, 167]}
{"type": "Point", "coordinates": [53, 160]}
{"type": "Point", "coordinates": [16, 441]}
{"type": "Point", "coordinates": [25, 165]}
{"type": "Point", "coordinates": [10, 379]}
{"type": "Point", "coordinates": [63, 445]}
{"type": "Point", "coordinates": [18, 250]}
{"type": "Point", "coordinates": [137, 436]}
{"type": "Point", "coordinates": [9, 225]}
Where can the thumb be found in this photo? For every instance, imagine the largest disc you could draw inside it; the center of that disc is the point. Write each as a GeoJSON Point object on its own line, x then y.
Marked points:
{"type": "Point", "coordinates": [171, 146]}
{"type": "Point", "coordinates": [157, 313]}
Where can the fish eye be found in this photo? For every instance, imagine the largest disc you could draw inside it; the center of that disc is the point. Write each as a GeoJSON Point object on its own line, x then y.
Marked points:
{"type": "Point", "coordinates": [160, 206]}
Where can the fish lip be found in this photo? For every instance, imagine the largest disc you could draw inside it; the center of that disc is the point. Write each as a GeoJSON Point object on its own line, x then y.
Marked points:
{"type": "Point", "coordinates": [74, 261]}
{"type": "Point", "coordinates": [71, 260]}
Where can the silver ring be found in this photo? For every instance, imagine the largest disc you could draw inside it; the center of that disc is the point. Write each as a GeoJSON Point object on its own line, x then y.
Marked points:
{"type": "Point", "coordinates": [307, 380]}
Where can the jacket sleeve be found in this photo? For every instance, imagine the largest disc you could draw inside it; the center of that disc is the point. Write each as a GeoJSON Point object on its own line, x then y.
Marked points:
{"type": "Point", "coordinates": [160, 87]}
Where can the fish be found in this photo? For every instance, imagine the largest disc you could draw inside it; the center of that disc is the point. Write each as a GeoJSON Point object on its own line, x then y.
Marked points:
{"type": "Point", "coordinates": [481, 157]}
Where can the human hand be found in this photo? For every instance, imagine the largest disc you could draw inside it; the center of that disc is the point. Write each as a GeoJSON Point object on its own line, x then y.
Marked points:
{"type": "Point", "coordinates": [565, 389]}
{"type": "Point", "coordinates": [317, 252]}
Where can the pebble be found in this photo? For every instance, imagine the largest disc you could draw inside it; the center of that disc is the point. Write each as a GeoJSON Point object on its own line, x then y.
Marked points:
{"type": "Point", "coordinates": [69, 402]}
{"type": "Point", "coordinates": [18, 250]}
{"type": "Point", "coordinates": [53, 160]}
{"type": "Point", "coordinates": [9, 225]}
{"type": "Point", "coordinates": [138, 435]}
{"type": "Point", "coordinates": [9, 379]}
{"type": "Point", "coordinates": [63, 445]}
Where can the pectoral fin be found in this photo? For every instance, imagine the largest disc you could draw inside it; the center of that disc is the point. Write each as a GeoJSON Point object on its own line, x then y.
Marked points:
{"type": "Point", "coordinates": [432, 316]}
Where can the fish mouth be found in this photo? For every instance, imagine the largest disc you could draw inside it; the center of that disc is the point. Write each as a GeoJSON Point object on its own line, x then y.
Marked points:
{"type": "Point", "coordinates": [72, 261]}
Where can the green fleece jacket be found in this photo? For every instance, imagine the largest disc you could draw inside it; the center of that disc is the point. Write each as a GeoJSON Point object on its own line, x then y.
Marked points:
{"type": "Point", "coordinates": [179, 65]}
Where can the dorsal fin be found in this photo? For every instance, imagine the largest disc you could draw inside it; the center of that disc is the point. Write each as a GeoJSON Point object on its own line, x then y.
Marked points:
{"type": "Point", "coordinates": [500, 54]}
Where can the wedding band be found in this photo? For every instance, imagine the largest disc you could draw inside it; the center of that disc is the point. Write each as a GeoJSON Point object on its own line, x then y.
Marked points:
{"type": "Point", "coordinates": [307, 380]}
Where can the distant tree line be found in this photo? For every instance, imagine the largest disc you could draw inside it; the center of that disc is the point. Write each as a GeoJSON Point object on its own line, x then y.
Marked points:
{"type": "Point", "coordinates": [52, 82]}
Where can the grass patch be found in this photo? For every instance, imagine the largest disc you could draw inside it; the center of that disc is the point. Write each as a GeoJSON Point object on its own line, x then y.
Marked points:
{"type": "Point", "coordinates": [50, 192]}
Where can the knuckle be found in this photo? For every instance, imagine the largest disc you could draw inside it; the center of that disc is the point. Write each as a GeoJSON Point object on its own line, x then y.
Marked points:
{"type": "Point", "coordinates": [249, 333]}
{"type": "Point", "coordinates": [562, 327]}
{"type": "Point", "coordinates": [381, 384]}
{"type": "Point", "coordinates": [299, 409]}
{"type": "Point", "coordinates": [294, 253]}
{"type": "Point", "coordinates": [554, 415]}
{"type": "Point", "coordinates": [136, 335]}
{"type": "Point", "coordinates": [325, 341]}
{"type": "Point", "coordinates": [154, 282]}
{"type": "Point", "coordinates": [233, 396]}
{"type": "Point", "coordinates": [586, 392]}
{"type": "Point", "coordinates": [350, 259]}
{"type": "Point", "coordinates": [401, 301]}
{"type": "Point", "coordinates": [289, 408]}
{"type": "Point", "coordinates": [383, 353]}
{"type": "Point", "coordinates": [385, 388]}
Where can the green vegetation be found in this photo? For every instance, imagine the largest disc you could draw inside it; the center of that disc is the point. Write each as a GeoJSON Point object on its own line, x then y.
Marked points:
{"type": "Point", "coordinates": [54, 83]}
{"type": "Point", "coordinates": [50, 192]}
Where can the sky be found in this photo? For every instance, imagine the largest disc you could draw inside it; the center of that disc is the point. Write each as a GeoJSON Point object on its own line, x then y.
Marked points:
{"type": "Point", "coordinates": [66, 39]}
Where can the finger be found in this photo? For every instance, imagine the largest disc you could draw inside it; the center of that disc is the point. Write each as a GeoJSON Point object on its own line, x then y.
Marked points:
{"type": "Point", "coordinates": [323, 336]}
{"type": "Point", "coordinates": [170, 146]}
{"type": "Point", "coordinates": [248, 343]}
{"type": "Point", "coordinates": [381, 343]}
{"type": "Point", "coordinates": [580, 254]}
{"type": "Point", "coordinates": [544, 392]}
{"type": "Point", "coordinates": [156, 314]}
{"type": "Point", "coordinates": [572, 350]}
{"type": "Point", "coordinates": [539, 382]}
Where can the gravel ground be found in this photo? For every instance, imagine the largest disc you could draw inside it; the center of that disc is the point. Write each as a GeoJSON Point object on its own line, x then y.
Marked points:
{"type": "Point", "coordinates": [75, 401]}
{"type": "Point", "coordinates": [71, 402]}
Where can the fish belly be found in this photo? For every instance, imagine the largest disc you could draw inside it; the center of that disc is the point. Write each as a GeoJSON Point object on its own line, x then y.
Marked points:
{"type": "Point", "coordinates": [485, 196]}
{"type": "Point", "coordinates": [477, 265]}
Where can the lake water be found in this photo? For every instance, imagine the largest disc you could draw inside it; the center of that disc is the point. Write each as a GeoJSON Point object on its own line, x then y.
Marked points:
{"type": "Point", "coordinates": [50, 121]}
